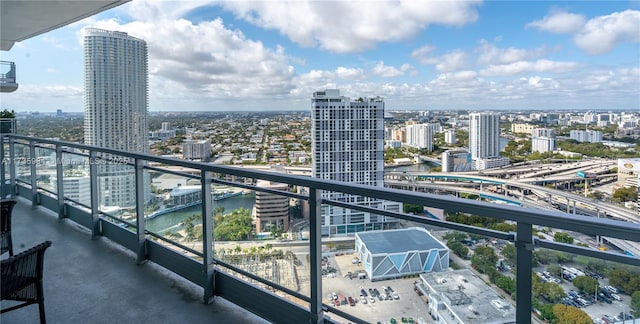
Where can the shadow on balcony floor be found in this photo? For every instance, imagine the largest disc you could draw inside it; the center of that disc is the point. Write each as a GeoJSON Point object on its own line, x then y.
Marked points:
{"type": "Point", "coordinates": [97, 281]}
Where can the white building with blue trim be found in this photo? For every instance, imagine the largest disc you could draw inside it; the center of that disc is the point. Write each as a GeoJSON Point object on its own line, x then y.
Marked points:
{"type": "Point", "coordinates": [396, 253]}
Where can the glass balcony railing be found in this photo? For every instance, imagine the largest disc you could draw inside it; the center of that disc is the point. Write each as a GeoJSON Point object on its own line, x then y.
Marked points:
{"type": "Point", "coordinates": [255, 238]}
{"type": "Point", "coordinates": [8, 76]}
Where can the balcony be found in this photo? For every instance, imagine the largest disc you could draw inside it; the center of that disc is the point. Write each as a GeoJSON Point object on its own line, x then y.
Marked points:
{"type": "Point", "coordinates": [116, 267]}
{"type": "Point", "coordinates": [8, 77]}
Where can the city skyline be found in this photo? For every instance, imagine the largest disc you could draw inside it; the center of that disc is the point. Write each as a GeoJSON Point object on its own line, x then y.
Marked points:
{"type": "Point", "coordinates": [417, 55]}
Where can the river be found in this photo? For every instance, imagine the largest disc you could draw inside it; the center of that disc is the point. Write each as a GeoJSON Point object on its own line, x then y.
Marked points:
{"type": "Point", "coordinates": [171, 221]}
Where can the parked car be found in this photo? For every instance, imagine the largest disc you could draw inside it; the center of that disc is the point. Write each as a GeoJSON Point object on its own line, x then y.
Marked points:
{"type": "Point", "coordinates": [395, 295]}
{"type": "Point", "coordinates": [363, 292]}
{"type": "Point", "coordinates": [351, 301]}
{"type": "Point", "coordinates": [363, 299]}
{"type": "Point", "coordinates": [616, 297]}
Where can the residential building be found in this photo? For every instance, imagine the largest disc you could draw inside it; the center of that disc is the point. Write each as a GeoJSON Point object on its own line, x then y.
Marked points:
{"type": "Point", "coordinates": [484, 138]}
{"type": "Point", "coordinates": [522, 128]}
{"type": "Point", "coordinates": [543, 140]}
{"type": "Point", "coordinates": [116, 105]}
{"type": "Point", "coordinates": [450, 137]}
{"type": "Point", "coordinates": [348, 145]}
{"type": "Point", "coordinates": [420, 136]}
{"type": "Point", "coordinates": [166, 132]}
{"type": "Point", "coordinates": [199, 150]}
{"type": "Point", "coordinates": [590, 136]}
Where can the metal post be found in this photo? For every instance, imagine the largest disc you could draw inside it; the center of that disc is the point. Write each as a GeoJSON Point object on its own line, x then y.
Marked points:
{"type": "Point", "coordinates": [2, 169]}
{"type": "Point", "coordinates": [207, 238]}
{"type": "Point", "coordinates": [574, 207]}
{"type": "Point", "coordinates": [93, 175]}
{"type": "Point", "coordinates": [568, 206]}
{"type": "Point", "coordinates": [524, 252]}
{"type": "Point", "coordinates": [12, 167]}
{"type": "Point", "coordinates": [315, 251]}
{"type": "Point", "coordinates": [549, 200]}
{"type": "Point", "coordinates": [60, 182]}
{"type": "Point", "coordinates": [34, 173]}
{"type": "Point", "coordinates": [140, 222]}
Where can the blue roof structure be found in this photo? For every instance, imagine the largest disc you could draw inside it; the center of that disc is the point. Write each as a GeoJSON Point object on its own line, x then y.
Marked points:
{"type": "Point", "coordinates": [399, 241]}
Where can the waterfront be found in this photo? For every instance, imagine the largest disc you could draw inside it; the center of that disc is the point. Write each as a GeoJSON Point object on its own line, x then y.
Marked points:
{"type": "Point", "coordinates": [171, 221]}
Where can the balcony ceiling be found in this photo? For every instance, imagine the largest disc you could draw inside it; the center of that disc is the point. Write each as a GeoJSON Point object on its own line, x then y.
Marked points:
{"type": "Point", "coordinates": [23, 19]}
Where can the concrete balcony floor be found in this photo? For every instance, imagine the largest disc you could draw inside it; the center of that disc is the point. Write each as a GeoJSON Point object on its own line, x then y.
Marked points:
{"type": "Point", "coordinates": [97, 281]}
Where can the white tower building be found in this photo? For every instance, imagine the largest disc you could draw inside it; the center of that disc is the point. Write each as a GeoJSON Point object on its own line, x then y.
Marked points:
{"type": "Point", "coordinates": [116, 105]}
{"type": "Point", "coordinates": [348, 145]}
{"type": "Point", "coordinates": [484, 140]}
{"type": "Point", "coordinates": [420, 136]}
{"type": "Point", "coordinates": [543, 140]}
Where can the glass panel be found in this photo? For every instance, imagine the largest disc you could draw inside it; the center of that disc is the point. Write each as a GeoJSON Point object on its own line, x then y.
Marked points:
{"type": "Point", "coordinates": [76, 180]}
{"type": "Point", "coordinates": [174, 208]}
{"type": "Point", "coordinates": [46, 168]}
{"type": "Point", "coordinates": [23, 169]}
{"type": "Point", "coordinates": [264, 234]}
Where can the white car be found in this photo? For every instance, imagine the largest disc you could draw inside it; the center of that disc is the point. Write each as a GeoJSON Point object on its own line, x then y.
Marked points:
{"type": "Point", "coordinates": [395, 295]}
{"type": "Point", "coordinates": [363, 299]}
{"type": "Point", "coordinates": [372, 300]}
{"type": "Point", "coordinates": [616, 297]}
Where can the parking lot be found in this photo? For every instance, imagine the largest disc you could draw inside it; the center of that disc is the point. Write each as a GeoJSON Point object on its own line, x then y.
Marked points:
{"type": "Point", "coordinates": [596, 308]}
{"type": "Point", "coordinates": [408, 303]}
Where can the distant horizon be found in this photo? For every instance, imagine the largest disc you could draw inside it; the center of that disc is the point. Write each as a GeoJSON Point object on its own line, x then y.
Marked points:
{"type": "Point", "coordinates": [604, 110]}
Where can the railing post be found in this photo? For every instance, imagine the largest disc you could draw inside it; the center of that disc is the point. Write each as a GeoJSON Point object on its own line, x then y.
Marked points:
{"type": "Point", "coordinates": [93, 175]}
{"type": "Point", "coordinates": [12, 167]}
{"type": "Point", "coordinates": [3, 169]}
{"type": "Point", "coordinates": [207, 237]}
{"type": "Point", "coordinates": [140, 221]}
{"type": "Point", "coordinates": [60, 182]}
{"type": "Point", "coordinates": [524, 253]}
{"type": "Point", "coordinates": [34, 174]}
{"type": "Point", "coordinates": [315, 251]}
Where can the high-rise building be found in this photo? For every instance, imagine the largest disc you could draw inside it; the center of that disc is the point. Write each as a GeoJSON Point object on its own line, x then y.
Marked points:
{"type": "Point", "coordinates": [116, 105]}
{"type": "Point", "coordinates": [348, 145]}
{"type": "Point", "coordinates": [484, 135]}
{"type": "Point", "coordinates": [543, 140]}
{"type": "Point", "coordinates": [484, 140]}
{"type": "Point", "coordinates": [199, 150]}
{"type": "Point", "coordinates": [420, 136]}
{"type": "Point", "coordinates": [450, 137]}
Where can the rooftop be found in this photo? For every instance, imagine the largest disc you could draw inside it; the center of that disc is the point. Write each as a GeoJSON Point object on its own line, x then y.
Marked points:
{"type": "Point", "coordinates": [469, 297]}
{"type": "Point", "coordinates": [99, 281]}
{"type": "Point", "coordinates": [399, 241]}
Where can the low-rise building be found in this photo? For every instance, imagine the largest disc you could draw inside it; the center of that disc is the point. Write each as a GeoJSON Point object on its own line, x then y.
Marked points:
{"type": "Point", "coordinates": [395, 253]}
{"type": "Point", "coordinates": [459, 296]}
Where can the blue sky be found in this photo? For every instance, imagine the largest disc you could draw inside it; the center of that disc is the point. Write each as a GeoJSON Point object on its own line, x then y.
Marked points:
{"type": "Point", "coordinates": [259, 55]}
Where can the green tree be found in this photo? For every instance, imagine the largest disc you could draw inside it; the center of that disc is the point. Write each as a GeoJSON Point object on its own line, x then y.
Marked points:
{"type": "Point", "coordinates": [570, 315]}
{"type": "Point", "coordinates": [625, 194]}
{"type": "Point", "coordinates": [635, 303]}
{"type": "Point", "coordinates": [563, 237]}
{"type": "Point", "coordinates": [484, 259]}
{"type": "Point", "coordinates": [553, 292]}
{"type": "Point", "coordinates": [458, 248]}
{"type": "Point", "coordinates": [625, 277]}
{"type": "Point", "coordinates": [509, 253]}
{"type": "Point", "coordinates": [235, 226]}
{"type": "Point", "coordinates": [586, 284]}
{"type": "Point", "coordinates": [416, 209]}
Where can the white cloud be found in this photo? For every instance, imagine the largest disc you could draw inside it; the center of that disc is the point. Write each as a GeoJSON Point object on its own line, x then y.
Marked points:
{"type": "Point", "coordinates": [523, 67]}
{"type": "Point", "coordinates": [209, 59]}
{"type": "Point", "coordinates": [451, 61]}
{"type": "Point", "coordinates": [349, 73]}
{"type": "Point", "coordinates": [352, 26]}
{"type": "Point", "coordinates": [601, 34]}
{"type": "Point", "coordinates": [559, 23]}
{"type": "Point", "coordinates": [422, 54]}
{"type": "Point", "coordinates": [489, 53]}
{"type": "Point", "coordinates": [389, 71]}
